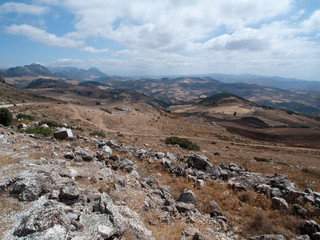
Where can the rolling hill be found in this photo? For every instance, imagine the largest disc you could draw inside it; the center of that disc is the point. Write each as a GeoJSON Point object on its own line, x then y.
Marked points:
{"type": "Point", "coordinates": [184, 89]}
{"type": "Point", "coordinates": [254, 121]}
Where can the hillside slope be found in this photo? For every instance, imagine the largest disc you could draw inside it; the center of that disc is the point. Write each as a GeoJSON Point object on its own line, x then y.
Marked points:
{"type": "Point", "coordinates": [184, 89]}
{"type": "Point", "coordinates": [248, 119]}
{"type": "Point", "coordinates": [12, 95]}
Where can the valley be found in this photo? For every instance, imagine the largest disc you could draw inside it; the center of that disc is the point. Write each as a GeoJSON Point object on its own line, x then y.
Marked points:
{"type": "Point", "coordinates": [118, 165]}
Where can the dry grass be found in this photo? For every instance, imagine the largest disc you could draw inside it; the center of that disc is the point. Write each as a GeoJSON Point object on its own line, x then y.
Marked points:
{"type": "Point", "coordinates": [248, 213]}
{"type": "Point", "coordinates": [8, 207]}
{"type": "Point", "coordinates": [6, 160]}
{"type": "Point", "coordinates": [161, 228]}
{"type": "Point", "coordinates": [254, 210]}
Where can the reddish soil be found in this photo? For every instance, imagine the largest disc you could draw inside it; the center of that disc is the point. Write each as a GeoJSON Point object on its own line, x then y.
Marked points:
{"type": "Point", "coordinates": [295, 137]}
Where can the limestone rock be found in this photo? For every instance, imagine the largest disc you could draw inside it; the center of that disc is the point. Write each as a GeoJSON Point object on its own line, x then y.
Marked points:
{"type": "Point", "coordinates": [63, 133]}
{"type": "Point", "coordinates": [22, 126]}
{"type": "Point", "coordinates": [296, 209]}
{"type": "Point", "coordinates": [264, 189]}
{"type": "Point", "coordinates": [51, 214]}
{"type": "Point", "coordinates": [310, 228]}
{"type": "Point", "coordinates": [246, 181]}
{"type": "Point", "coordinates": [106, 149]}
{"type": "Point", "coordinates": [69, 191]}
{"type": "Point", "coordinates": [31, 185]}
{"type": "Point", "coordinates": [280, 204]}
{"type": "Point", "coordinates": [268, 237]}
{"type": "Point", "coordinates": [187, 196]}
{"type": "Point", "coordinates": [185, 207]}
{"type": "Point", "coordinates": [191, 233]}
{"type": "Point", "coordinates": [301, 237]}
{"type": "Point", "coordinates": [198, 162]}
{"type": "Point", "coordinates": [105, 231]}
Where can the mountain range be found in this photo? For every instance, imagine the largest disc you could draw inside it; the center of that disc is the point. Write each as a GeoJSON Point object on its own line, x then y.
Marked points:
{"type": "Point", "coordinates": [288, 94]}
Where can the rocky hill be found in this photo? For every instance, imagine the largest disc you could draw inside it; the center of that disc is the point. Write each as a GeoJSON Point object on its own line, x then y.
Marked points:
{"type": "Point", "coordinates": [179, 90]}
{"type": "Point", "coordinates": [269, 81]}
{"type": "Point", "coordinates": [12, 95]}
{"type": "Point", "coordinates": [255, 121]}
{"type": "Point", "coordinates": [77, 74]}
{"type": "Point", "coordinates": [113, 174]}
{"type": "Point", "coordinates": [27, 70]}
{"type": "Point", "coordinates": [184, 89]}
{"type": "Point", "coordinates": [90, 188]}
{"type": "Point", "coordinates": [47, 83]}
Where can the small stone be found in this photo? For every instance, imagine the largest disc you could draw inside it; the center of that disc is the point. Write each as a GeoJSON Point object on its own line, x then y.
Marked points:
{"type": "Point", "coordinates": [105, 231]}
{"type": "Point", "coordinates": [22, 126]}
{"type": "Point", "coordinates": [106, 149]}
{"type": "Point", "coordinates": [268, 237]}
{"type": "Point", "coordinates": [198, 183]}
{"type": "Point", "coordinates": [69, 191]}
{"type": "Point", "coordinates": [187, 196]}
{"type": "Point", "coordinates": [63, 133]}
{"type": "Point", "coordinates": [301, 237]}
{"type": "Point", "coordinates": [185, 207]}
{"type": "Point", "coordinates": [296, 209]}
{"type": "Point", "coordinates": [280, 204]}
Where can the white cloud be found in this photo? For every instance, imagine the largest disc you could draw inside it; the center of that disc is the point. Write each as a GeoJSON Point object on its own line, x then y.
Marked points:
{"type": "Point", "coordinates": [39, 35]}
{"type": "Point", "coordinates": [179, 36]}
{"type": "Point", "coordinates": [166, 25]}
{"type": "Point", "coordinates": [245, 39]}
{"type": "Point", "coordinates": [50, 2]}
{"type": "Point", "coordinates": [313, 23]}
{"type": "Point", "coordinates": [94, 50]}
{"type": "Point", "coordinates": [22, 8]}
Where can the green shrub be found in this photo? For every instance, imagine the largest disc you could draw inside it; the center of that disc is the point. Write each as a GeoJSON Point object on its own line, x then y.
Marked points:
{"type": "Point", "coordinates": [5, 117]}
{"type": "Point", "coordinates": [311, 172]}
{"type": "Point", "coordinates": [25, 116]}
{"type": "Point", "coordinates": [98, 133]}
{"type": "Point", "coordinates": [50, 123]}
{"type": "Point", "coordinates": [282, 163]}
{"type": "Point", "coordinates": [182, 142]}
{"type": "Point", "coordinates": [40, 131]}
{"type": "Point", "coordinates": [258, 159]}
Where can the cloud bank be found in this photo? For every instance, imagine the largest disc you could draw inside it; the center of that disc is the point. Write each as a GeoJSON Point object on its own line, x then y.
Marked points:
{"type": "Point", "coordinates": [178, 36]}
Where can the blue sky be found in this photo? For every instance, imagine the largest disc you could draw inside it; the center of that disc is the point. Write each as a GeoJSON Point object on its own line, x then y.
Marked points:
{"type": "Point", "coordinates": [164, 37]}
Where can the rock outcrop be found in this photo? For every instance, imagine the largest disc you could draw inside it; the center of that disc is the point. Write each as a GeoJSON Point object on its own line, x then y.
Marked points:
{"type": "Point", "coordinates": [63, 133]}
{"type": "Point", "coordinates": [99, 192]}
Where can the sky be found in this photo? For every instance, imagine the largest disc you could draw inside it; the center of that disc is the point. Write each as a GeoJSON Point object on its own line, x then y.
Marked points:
{"type": "Point", "coordinates": [165, 37]}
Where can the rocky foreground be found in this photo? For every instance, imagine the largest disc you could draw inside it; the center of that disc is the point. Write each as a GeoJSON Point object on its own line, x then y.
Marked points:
{"type": "Point", "coordinates": [93, 189]}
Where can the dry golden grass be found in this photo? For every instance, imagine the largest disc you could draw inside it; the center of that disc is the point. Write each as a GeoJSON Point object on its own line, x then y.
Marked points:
{"type": "Point", "coordinates": [163, 230]}
{"type": "Point", "coordinates": [6, 160]}
{"type": "Point", "coordinates": [7, 207]}
{"type": "Point", "coordinates": [248, 213]}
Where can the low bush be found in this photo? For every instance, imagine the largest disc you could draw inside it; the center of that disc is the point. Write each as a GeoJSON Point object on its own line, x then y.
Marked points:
{"type": "Point", "coordinates": [182, 142]}
{"type": "Point", "coordinates": [25, 116]}
{"type": "Point", "coordinates": [5, 117]}
{"type": "Point", "coordinates": [40, 131]}
{"type": "Point", "coordinates": [98, 133]}
{"type": "Point", "coordinates": [50, 123]}
{"type": "Point", "coordinates": [311, 172]}
{"type": "Point", "coordinates": [258, 159]}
